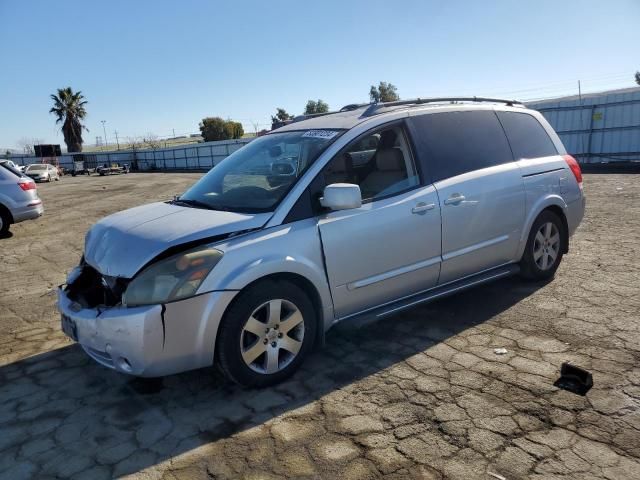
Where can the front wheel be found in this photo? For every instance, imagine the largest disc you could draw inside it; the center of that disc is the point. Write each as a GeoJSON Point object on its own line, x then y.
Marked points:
{"type": "Point", "coordinates": [266, 334]}
{"type": "Point", "coordinates": [543, 252]}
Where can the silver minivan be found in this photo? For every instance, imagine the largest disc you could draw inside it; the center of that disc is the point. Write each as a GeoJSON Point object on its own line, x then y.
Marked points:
{"type": "Point", "coordinates": [356, 214]}
{"type": "Point", "coordinates": [19, 199]}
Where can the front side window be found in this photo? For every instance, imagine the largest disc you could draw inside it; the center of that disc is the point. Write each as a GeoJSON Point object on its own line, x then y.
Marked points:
{"type": "Point", "coordinates": [258, 176]}
{"type": "Point", "coordinates": [528, 139]}
{"type": "Point", "coordinates": [380, 163]}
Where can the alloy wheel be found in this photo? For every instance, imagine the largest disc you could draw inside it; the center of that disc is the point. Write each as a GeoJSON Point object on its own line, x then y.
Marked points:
{"type": "Point", "coordinates": [546, 246]}
{"type": "Point", "coordinates": [272, 336]}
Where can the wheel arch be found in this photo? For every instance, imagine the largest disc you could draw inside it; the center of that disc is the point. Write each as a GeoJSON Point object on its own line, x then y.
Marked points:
{"type": "Point", "coordinates": [306, 285]}
{"type": "Point", "coordinates": [553, 203]}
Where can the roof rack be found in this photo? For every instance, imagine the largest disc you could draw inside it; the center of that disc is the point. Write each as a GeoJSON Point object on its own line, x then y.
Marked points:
{"type": "Point", "coordinates": [373, 107]}
{"type": "Point", "coordinates": [346, 108]}
{"type": "Point", "coordinates": [299, 118]}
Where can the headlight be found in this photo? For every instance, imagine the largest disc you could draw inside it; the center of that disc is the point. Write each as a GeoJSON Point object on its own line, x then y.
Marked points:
{"type": "Point", "coordinates": [172, 278]}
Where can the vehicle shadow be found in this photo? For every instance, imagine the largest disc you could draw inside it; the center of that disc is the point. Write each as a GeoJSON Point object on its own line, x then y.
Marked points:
{"type": "Point", "coordinates": [8, 234]}
{"type": "Point", "coordinates": [62, 414]}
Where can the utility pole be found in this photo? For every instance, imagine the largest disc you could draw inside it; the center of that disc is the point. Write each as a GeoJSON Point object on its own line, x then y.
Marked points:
{"type": "Point", "coordinates": [104, 130]}
{"type": "Point", "coordinates": [115, 132]}
{"type": "Point", "coordinates": [579, 92]}
{"type": "Point", "coordinates": [174, 132]}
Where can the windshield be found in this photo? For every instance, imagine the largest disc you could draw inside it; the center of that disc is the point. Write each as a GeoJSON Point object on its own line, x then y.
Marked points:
{"type": "Point", "coordinates": [36, 167]}
{"type": "Point", "coordinates": [259, 175]}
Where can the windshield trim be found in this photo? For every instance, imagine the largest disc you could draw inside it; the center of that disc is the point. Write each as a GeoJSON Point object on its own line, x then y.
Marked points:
{"type": "Point", "coordinates": [274, 206]}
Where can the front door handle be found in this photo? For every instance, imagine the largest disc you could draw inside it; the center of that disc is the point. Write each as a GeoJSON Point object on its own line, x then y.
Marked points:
{"type": "Point", "coordinates": [454, 199]}
{"type": "Point", "coordinates": [423, 207]}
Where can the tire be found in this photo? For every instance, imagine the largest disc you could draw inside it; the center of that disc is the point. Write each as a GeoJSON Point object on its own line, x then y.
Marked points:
{"type": "Point", "coordinates": [5, 222]}
{"type": "Point", "coordinates": [49, 179]}
{"type": "Point", "coordinates": [246, 357]}
{"type": "Point", "coordinates": [544, 250]}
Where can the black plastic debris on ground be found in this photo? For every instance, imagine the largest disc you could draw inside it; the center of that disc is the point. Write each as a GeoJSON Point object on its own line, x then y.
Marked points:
{"type": "Point", "coordinates": [574, 379]}
{"type": "Point", "coordinates": [146, 386]}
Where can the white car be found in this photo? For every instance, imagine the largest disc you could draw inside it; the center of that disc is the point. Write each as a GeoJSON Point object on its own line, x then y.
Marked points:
{"type": "Point", "coordinates": [42, 172]}
{"type": "Point", "coordinates": [19, 199]}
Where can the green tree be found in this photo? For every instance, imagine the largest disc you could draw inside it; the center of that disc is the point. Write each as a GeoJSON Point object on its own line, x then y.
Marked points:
{"type": "Point", "coordinates": [638, 78]}
{"type": "Point", "coordinates": [280, 116]}
{"type": "Point", "coordinates": [316, 107]}
{"type": "Point", "coordinates": [68, 107]}
{"type": "Point", "coordinates": [212, 129]}
{"type": "Point", "coordinates": [233, 129]}
{"type": "Point", "coordinates": [384, 92]}
{"type": "Point", "coordinates": [215, 128]}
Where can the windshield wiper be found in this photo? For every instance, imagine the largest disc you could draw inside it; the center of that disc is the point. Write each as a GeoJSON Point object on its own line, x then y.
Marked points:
{"type": "Point", "coordinates": [197, 204]}
{"type": "Point", "coordinates": [192, 203]}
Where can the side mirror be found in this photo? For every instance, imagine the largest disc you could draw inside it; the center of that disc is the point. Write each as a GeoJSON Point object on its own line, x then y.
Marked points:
{"type": "Point", "coordinates": [341, 196]}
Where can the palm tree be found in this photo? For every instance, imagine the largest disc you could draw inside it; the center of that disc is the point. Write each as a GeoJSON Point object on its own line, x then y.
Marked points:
{"type": "Point", "coordinates": [69, 108]}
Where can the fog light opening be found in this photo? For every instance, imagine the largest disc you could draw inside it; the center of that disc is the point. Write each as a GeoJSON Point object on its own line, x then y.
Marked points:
{"type": "Point", "coordinates": [124, 364]}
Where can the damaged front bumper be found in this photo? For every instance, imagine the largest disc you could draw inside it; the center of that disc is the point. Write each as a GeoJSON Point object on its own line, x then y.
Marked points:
{"type": "Point", "coordinates": [149, 341]}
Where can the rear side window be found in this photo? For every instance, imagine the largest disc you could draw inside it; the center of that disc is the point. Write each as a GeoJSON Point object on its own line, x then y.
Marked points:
{"type": "Point", "coordinates": [454, 143]}
{"type": "Point", "coordinates": [527, 137]}
{"type": "Point", "coordinates": [6, 169]}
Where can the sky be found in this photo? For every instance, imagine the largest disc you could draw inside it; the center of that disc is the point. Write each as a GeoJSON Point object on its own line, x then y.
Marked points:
{"type": "Point", "coordinates": [161, 66]}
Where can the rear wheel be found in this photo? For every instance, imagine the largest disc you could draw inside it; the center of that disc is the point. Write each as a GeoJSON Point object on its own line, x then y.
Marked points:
{"type": "Point", "coordinates": [266, 334]}
{"type": "Point", "coordinates": [5, 221]}
{"type": "Point", "coordinates": [543, 252]}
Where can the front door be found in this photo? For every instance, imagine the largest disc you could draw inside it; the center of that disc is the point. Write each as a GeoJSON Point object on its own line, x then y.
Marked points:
{"type": "Point", "coordinates": [390, 246]}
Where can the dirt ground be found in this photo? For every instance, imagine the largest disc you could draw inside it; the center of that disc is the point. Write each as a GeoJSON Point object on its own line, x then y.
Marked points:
{"type": "Point", "coordinates": [419, 395]}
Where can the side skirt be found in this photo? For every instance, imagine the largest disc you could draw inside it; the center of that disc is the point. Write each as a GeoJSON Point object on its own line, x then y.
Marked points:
{"type": "Point", "coordinates": [435, 293]}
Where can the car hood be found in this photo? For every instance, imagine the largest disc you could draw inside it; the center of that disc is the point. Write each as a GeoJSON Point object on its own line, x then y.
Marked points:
{"type": "Point", "coordinates": [121, 244]}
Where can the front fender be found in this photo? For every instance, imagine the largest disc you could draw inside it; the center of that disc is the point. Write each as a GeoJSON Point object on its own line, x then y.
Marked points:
{"type": "Point", "coordinates": [287, 249]}
{"type": "Point", "coordinates": [538, 206]}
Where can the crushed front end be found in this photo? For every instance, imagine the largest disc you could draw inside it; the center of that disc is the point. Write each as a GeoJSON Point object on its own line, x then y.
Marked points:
{"type": "Point", "coordinates": [146, 340]}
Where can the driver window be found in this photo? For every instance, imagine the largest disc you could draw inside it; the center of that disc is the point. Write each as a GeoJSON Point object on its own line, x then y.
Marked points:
{"type": "Point", "coordinates": [380, 163]}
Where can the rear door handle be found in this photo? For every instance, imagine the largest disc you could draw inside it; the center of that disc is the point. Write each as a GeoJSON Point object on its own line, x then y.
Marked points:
{"type": "Point", "coordinates": [423, 207]}
{"type": "Point", "coordinates": [454, 199]}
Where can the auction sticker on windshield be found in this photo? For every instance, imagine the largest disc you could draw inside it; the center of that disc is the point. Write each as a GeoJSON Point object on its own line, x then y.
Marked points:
{"type": "Point", "coordinates": [326, 134]}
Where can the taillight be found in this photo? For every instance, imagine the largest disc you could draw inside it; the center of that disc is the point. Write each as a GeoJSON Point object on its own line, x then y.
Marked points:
{"type": "Point", "coordinates": [28, 185]}
{"type": "Point", "coordinates": [575, 168]}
